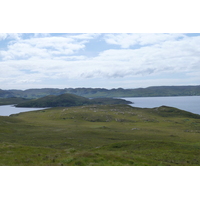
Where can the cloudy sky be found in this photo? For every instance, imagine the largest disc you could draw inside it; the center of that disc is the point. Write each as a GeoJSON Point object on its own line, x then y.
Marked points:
{"type": "Point", "coordinates": [127, 60]}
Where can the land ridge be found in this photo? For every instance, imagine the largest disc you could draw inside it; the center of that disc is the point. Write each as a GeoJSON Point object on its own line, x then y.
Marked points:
{"type": "Point", "coordinates": [153, 91]}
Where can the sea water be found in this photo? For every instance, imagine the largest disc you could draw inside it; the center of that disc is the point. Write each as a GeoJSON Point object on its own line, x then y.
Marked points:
{"type": "Point", "coordinates": [7, 110]}
{"type": "Point", "coordinates": [187, 103]}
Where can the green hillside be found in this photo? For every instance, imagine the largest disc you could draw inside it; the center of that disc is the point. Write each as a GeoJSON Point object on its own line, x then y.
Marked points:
{"type": "Point", "coordinates": [101, 135]}
{"type": "Point", "coordinates": [12, 100]}
{"type": "Point", "coordinates": [67, 100]}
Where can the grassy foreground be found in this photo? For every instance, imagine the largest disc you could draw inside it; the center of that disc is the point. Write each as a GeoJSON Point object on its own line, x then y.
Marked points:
{"type": "Point", "coordinates": [103, 135]}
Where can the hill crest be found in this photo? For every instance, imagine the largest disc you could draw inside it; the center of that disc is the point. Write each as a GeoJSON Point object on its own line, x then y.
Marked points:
{"type": "Point", "coordinates": [68, 100]}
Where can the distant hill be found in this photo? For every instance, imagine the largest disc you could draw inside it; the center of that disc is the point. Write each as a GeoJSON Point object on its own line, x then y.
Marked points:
{"type": "Point", "coordinates": [12, 100]}
{"type": "Point", "coordinates": [6, 94]}
{"type": "Point", "coordinates": [155, 91]}
{"type": "Point", "coordinates": [68, 100]}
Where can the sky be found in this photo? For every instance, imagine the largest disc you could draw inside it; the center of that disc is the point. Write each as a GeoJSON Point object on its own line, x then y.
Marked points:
{"type": "Point", "coordinates": [98, 60]}
{"type": "Point", "coordinates": [99, 44]}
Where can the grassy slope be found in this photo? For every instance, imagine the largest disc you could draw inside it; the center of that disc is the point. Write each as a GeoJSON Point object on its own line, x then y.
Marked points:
{"type": "Point", "coordinates": [101, 135]}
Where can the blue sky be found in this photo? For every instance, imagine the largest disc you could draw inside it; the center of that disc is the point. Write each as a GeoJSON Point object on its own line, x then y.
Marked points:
{"type": "Point", "coordinates": [98, 60]}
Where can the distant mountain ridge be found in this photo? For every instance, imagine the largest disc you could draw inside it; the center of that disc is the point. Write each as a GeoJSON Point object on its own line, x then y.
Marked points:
{"type": "Point", "coordinates": [154, 91]}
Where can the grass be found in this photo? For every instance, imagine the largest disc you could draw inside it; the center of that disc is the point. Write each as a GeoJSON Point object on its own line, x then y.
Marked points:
{"type": "Point", "coordinates": [107, 135]}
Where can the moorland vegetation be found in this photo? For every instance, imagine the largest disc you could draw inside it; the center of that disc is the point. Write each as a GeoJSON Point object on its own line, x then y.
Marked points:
{"type": "Point", "coordinates": [101, 135]}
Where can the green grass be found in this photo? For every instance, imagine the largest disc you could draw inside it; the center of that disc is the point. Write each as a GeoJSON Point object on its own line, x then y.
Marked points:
{"type": "Point", "coordinates": [109, 135]}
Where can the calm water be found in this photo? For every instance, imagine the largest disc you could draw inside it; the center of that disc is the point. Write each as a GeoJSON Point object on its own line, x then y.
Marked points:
{"type": "Point", "coordinates": [10, 109]}
{"type": "Point", "coordinates": [188, 103]}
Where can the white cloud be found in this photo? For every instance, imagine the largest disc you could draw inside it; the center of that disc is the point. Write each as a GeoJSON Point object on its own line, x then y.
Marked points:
{"type": "Point", "coordinates": [168, 56]}
{"type": "Point", "coordinates": [41, 34]}
{"type": "Point", "coordinates": [85, 36]}
{"type": "Point", "coordinates": [127, 40]}
{"type": "Point", "coordinates": [15, 36]}
{"type": "Point", "coordinates": [7, 71]}
{"type": "Point", "coordinates": [3, 36]}
{"type": "Point", "coordinates": [44, 47]}
{"type": "Point", "coordinates": [35, 59]}
{"type": "Point", "coordinates": [21, 50]}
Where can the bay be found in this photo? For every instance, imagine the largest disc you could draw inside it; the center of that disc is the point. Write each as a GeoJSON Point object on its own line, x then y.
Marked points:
{"type": "Point", "coordinates": [187, 103]}
{"type": "Point", "coordinates": [8, 110]}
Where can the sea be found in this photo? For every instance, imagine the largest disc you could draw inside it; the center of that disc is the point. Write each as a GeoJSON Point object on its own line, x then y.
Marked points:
{"type": "Point", "coordinates": [8, 110]}
{"type": "Point", "coordinates": [187, 103]}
